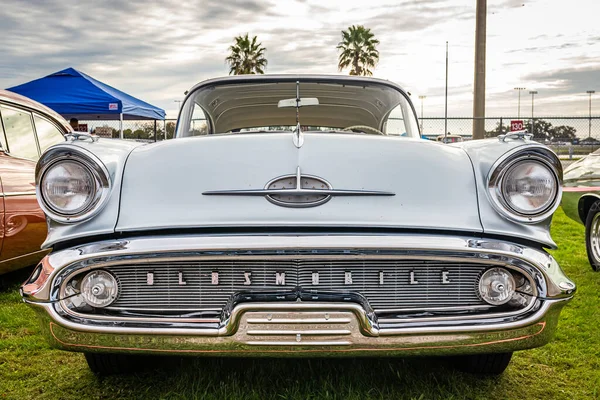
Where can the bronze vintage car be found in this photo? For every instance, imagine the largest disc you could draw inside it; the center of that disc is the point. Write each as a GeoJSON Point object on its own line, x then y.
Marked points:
{"type": "Point", "coordinates": [27, 128]}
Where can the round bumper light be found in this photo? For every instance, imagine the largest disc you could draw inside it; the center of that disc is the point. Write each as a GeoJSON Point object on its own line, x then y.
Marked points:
{"type": "Point", "coordinates": [99, 289]}
{"type": "Point", "coordinates": [496, 286]}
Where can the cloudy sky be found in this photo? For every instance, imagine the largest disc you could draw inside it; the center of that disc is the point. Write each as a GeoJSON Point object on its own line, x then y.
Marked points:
{"type": "Point", "coordinates": [155, 50]}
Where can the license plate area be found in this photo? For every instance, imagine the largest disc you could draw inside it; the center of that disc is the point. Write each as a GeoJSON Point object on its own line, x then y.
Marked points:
{"type": "Point", "coordinates": [304, 328]}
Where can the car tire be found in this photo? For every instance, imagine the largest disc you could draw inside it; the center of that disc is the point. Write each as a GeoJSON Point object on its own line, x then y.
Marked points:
{"type": "Point", "coordinates": [483, 364]}
{"type": "Point", "coordinates": [592, 236]}
{"type": "Point", "coordinates": [112, 364]}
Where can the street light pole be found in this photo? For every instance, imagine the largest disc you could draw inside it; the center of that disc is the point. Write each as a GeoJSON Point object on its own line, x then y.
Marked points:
{"type": "Point", "coordinates": [519, 107]}
{"type": "Point", "coordinates": [422, 98]}
{"type": "Point", "coordinates": [590, 93]}
{"type": "Point", "coordinates": [446, 101]}
{"type": "Point", "coordinates": [532, 93]}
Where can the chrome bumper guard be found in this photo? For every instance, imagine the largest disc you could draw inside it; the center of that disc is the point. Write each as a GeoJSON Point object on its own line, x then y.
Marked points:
{"type": "Point", "coordinates": [304, 328]}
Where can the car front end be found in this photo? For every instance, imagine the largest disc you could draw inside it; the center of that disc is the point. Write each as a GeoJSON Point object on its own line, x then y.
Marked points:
{"type": "Point", "coordinates": [311, 242]}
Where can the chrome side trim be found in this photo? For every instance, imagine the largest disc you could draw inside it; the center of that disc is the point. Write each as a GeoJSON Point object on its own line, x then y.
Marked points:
{"type": "Point", "coordinates": [15, 194]}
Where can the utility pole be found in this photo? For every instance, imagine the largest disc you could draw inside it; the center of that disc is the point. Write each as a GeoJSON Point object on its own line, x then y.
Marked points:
{"type": "Point", "coordinates": [446, 101]}
{"type": "Point", "coordinates": [422, 98]}
{"type": "Point", "coordinates": [532, 93]}
{"type": "Point", "coordinates": [519, 107]}
{"type": "Point", "coordinates": [178, 104]}
{"type": "Point", "coordinates": [590, 93]}
{"type": "Point", "coordinates": [479, 89]}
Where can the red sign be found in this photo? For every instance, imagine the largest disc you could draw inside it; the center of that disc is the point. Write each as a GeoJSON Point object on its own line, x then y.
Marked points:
{"type": "Point", "coordinates": [516, 125]}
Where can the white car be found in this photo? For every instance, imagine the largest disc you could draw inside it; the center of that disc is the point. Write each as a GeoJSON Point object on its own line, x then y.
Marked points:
{"type": "Point", "coordinates": [299, 216]}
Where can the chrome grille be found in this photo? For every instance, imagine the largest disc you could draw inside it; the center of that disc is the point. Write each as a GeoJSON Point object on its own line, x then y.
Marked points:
{"type": "Point", "coordinates": [199, 293]}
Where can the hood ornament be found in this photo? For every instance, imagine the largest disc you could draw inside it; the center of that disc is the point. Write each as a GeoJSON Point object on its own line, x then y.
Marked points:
{"type": "Point", "coordinates": [297, 191]}
{"type": "Point", "coordinates": [298, 135]}
{"type": "Point", "coordinates": [298, 102]}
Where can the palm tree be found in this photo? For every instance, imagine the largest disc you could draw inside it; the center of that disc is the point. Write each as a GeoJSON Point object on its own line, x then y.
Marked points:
{"type": "Point", "coordinates": [358, 50]}
{"type": "Point", "coordinates": [246, 56]}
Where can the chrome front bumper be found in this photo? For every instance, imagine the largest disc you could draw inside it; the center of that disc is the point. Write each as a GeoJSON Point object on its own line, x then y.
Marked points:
{"type": "Point", "coordinates": [304, 327]}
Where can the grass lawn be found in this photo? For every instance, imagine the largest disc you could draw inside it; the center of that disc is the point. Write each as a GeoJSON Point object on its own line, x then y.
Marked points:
{"type": "Point", "coordinates": [567, 368]}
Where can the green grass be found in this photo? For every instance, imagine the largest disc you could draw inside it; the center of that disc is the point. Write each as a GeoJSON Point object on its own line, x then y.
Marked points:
{"type": "Point", "coordinates": [567, 368]}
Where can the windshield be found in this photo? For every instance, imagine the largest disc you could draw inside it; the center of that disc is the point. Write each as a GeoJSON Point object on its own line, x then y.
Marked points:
{"type": "Point", "coordinates": [362, 107]}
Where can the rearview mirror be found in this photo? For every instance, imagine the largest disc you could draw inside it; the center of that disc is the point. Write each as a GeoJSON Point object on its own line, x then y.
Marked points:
{"type": "Point", "coordinates": [307, 101]}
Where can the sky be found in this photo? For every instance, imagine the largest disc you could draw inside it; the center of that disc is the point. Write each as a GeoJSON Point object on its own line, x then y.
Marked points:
{"type": "Point", "coordinates": [156, 50]}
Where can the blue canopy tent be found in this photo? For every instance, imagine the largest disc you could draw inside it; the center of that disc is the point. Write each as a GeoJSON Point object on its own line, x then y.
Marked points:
{"type": "Point", "coordinates": [74, 94]}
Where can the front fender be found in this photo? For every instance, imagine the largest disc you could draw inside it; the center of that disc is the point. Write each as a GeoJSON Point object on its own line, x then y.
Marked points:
{"type": "Point", "coordinates": [113, 153]}
{"type": "Point", "coordinates": [484, 154]}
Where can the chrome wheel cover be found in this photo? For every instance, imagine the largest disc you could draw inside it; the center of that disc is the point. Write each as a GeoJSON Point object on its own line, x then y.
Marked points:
{"type": "Point", "coordinates": [595, 238]}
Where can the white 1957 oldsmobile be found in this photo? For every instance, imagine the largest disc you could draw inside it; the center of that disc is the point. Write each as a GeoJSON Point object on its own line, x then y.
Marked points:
{"type": "Point", "coordinates": [298, 216]}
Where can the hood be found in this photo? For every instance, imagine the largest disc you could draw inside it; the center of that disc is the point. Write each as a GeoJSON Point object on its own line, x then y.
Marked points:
{"type": "Point", "coordinates": [436, 187]}
{"type": "Point", "coordinates": [433, 184]}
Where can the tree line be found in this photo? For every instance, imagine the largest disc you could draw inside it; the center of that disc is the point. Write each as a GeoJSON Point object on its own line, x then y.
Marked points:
{"type": "Point", "coordinates": [357, 52]}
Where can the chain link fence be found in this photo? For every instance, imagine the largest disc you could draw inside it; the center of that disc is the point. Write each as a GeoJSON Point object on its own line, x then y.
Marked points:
{"type": "Point", "coordinates": [147, 131]}
{"type": "Point", "coordinates": [565, 135]}
{"type": "Point", "coordinates": [571, 136]}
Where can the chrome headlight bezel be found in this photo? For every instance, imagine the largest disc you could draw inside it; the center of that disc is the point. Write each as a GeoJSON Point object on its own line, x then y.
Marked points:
{"type": "Point", "coordinates": [91, 164]}
{"type": "Point", "coordinates": [499, 170]}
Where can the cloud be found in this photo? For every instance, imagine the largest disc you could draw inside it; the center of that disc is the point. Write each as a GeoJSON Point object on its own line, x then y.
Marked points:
{"type": "Point", "coordinates": [156, 49]}
{"type": "Point", "coordinates": [570, 80]}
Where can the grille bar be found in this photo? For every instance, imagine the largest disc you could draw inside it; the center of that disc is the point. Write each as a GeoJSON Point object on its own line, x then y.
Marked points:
{"type": "Point", "coordinates": [386, 283]}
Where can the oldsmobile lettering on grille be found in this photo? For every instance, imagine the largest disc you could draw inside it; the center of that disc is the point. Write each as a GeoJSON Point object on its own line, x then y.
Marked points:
{"type": "Point", "coordinates": [278, 278]}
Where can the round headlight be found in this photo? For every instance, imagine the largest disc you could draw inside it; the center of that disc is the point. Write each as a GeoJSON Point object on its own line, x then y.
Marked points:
{"type": "Point", "coordinates": [496, 286]}
{"type": "Point", "coordinates": [529, 187]}
{"type": "Point", "coordinates": [99, 288]}
{"type": "Point", "coordinates": [68, 187]}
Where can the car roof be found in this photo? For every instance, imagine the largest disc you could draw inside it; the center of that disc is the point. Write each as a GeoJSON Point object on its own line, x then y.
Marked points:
{"type": "Point", "coordinates": [327, 78]}
{"type": "Point", "coordinates": [12, 98]}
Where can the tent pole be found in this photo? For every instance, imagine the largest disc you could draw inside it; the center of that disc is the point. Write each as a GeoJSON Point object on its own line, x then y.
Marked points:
{"type": "Point", "coordinates": [121, 126]}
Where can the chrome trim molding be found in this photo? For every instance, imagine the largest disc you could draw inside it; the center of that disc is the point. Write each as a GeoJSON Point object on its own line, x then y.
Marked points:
{"type": "Point", "coordinates": [15, 194]}
{"type": "Point", "coordinates": [298, 191]}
